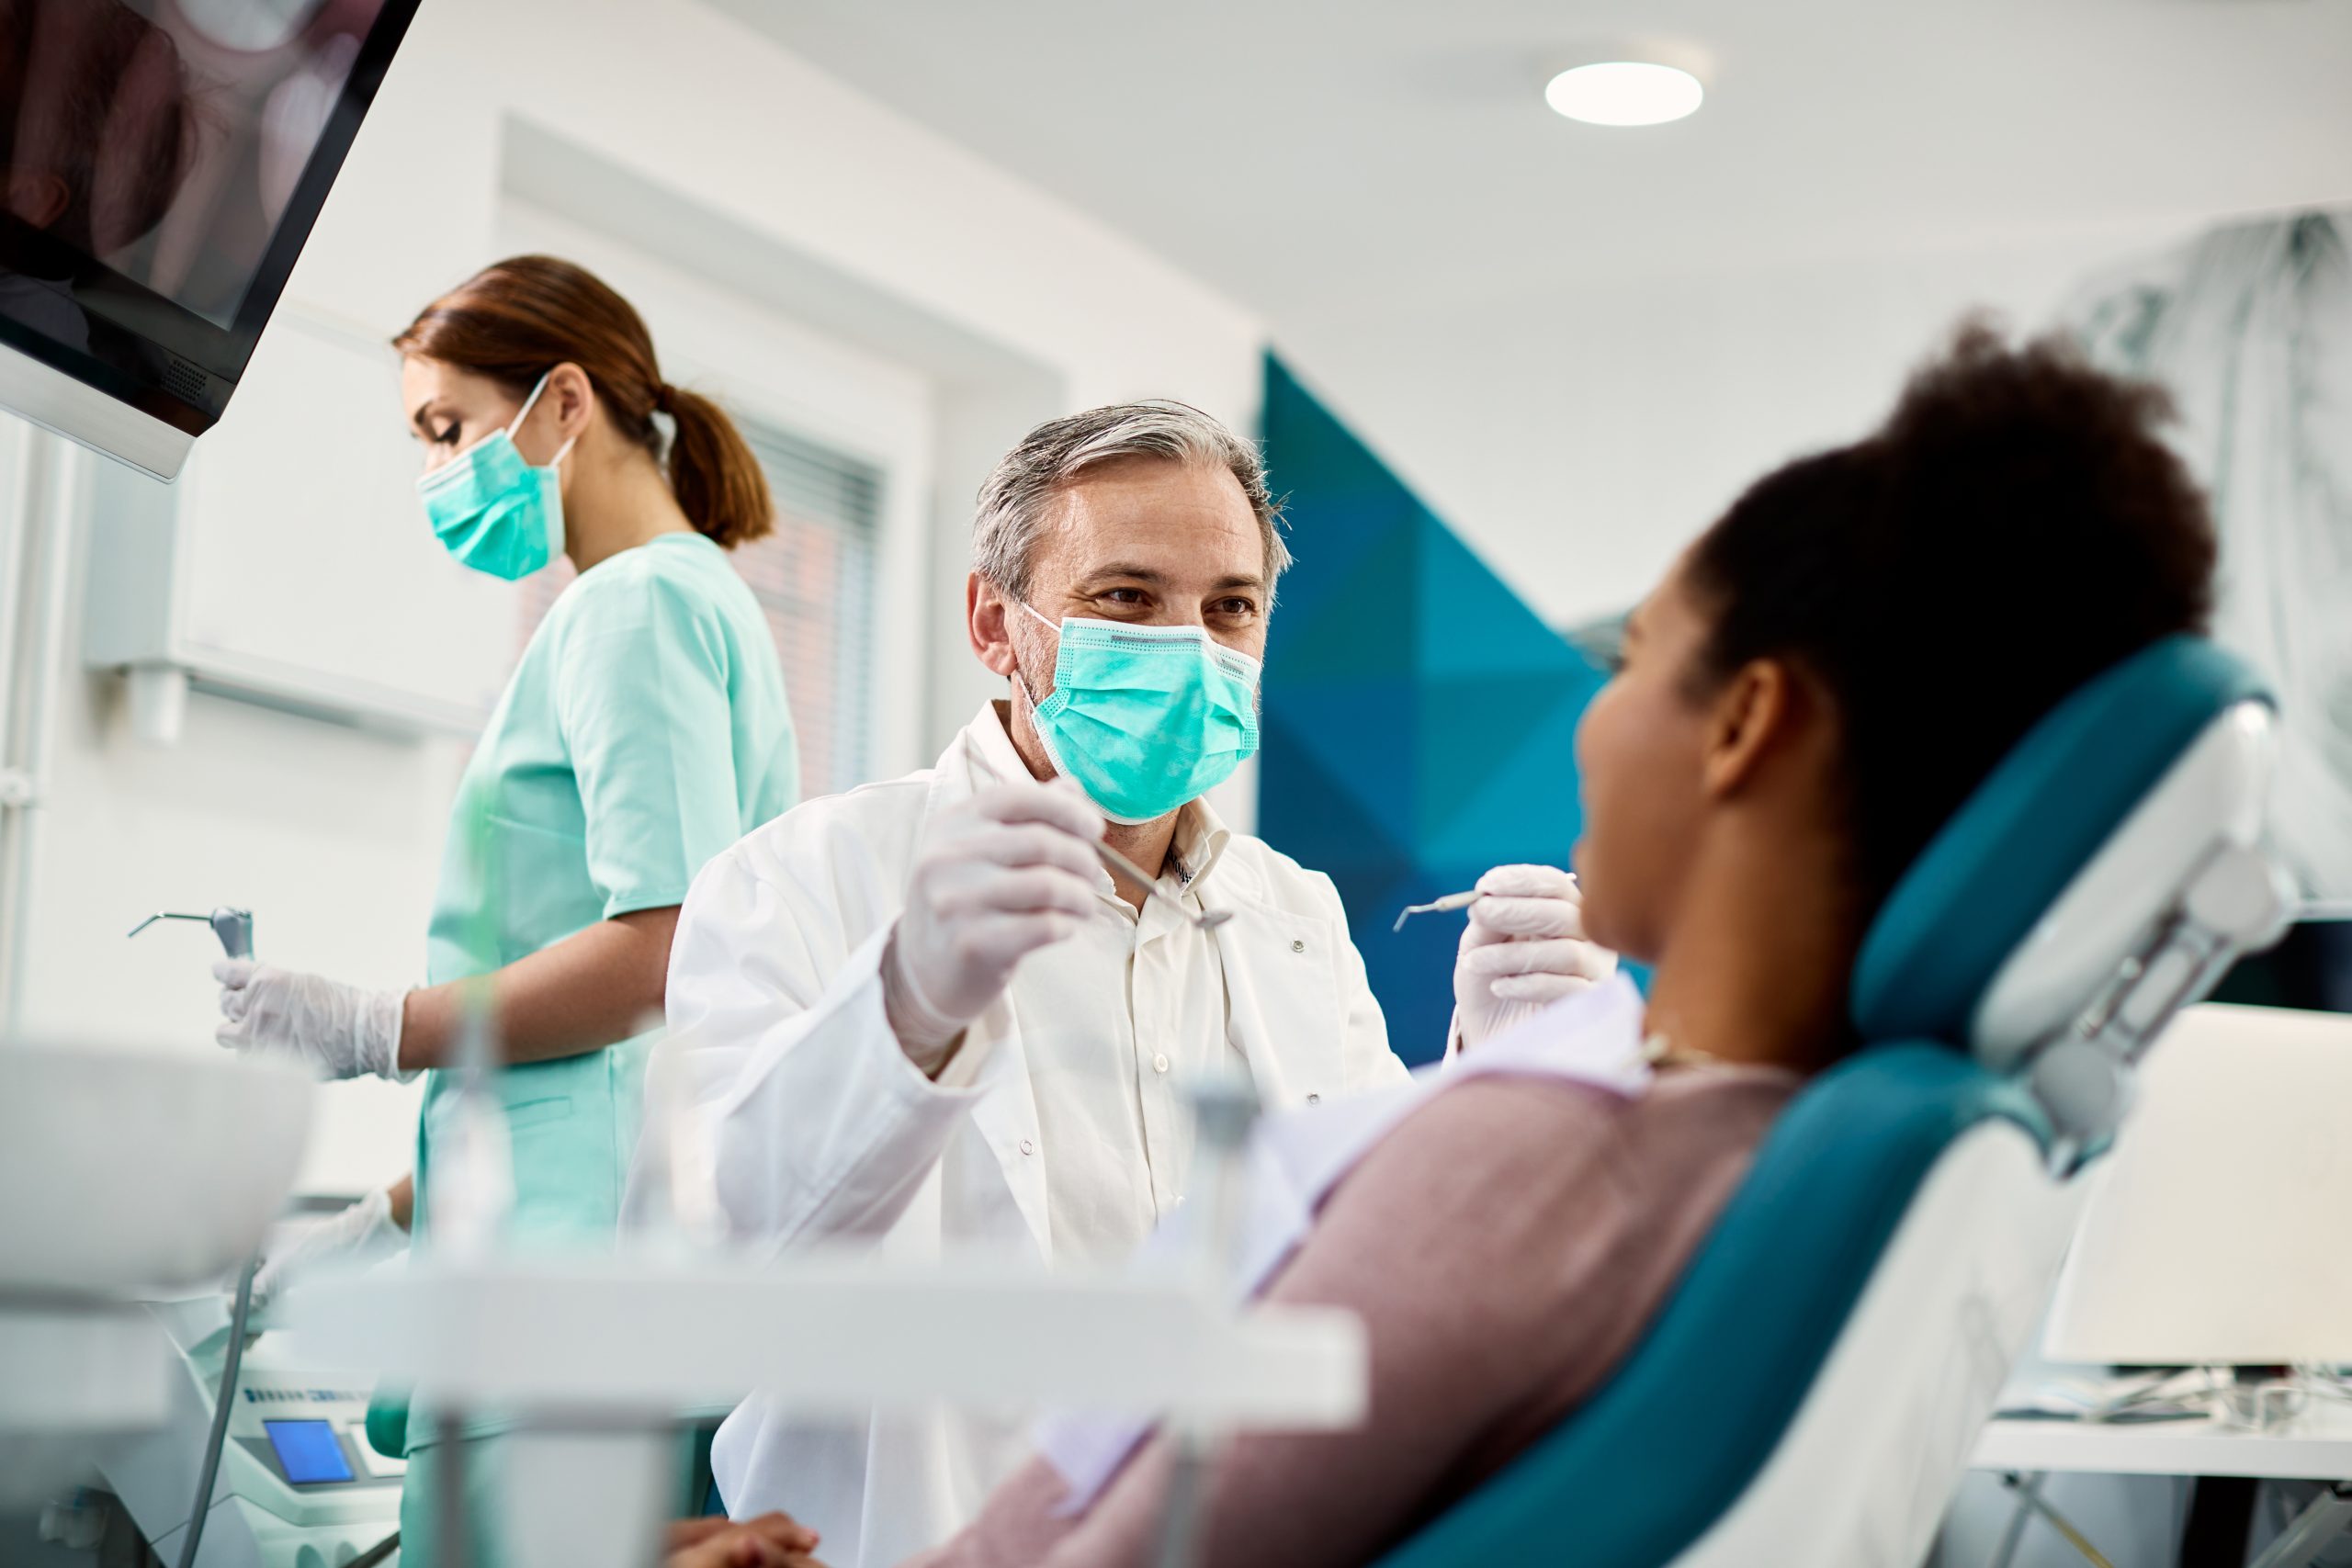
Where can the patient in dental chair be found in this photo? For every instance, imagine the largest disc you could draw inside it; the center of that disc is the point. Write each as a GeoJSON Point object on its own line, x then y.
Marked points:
{"type": "Point", "coordinates": [1815, 685]}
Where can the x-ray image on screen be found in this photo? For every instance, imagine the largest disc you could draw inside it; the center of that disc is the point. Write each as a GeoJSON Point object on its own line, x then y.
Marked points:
{"type": "Point", "coordinates": [161, 165]}
{"type": "Point", "coordinates": [163, 139]}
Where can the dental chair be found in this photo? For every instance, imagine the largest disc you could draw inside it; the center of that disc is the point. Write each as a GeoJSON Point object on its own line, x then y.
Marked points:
{"type": "Point", "coordinates": [1811, 1391]}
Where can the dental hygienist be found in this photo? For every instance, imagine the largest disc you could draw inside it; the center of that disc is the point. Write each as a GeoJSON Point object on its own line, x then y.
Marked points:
{"type": "Point", "coordinates": [922, 1013]}
{"type": "Point", "coordinates": [644, 730]}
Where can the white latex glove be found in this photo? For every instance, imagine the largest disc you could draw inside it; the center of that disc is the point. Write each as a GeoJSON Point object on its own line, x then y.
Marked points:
{"type": "Point", "coordinates": [352, 1238]}
{"type": "Point", "coordinates": [1523, 950]}
{"type": "Point", "coordinates": [341, 1030]}
{"type": "Point", "coordinates": [1008, 871]}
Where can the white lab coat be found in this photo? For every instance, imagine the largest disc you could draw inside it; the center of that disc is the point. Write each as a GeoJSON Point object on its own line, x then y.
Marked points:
{"type": "Point", "coordinates": [820, 1128]}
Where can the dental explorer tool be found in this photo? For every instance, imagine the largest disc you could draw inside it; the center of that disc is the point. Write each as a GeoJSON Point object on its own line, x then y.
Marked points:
{"type": "Point", "coordinates": [1445, 906]}
{"type": "Point", "coordinates": [1120, 865]}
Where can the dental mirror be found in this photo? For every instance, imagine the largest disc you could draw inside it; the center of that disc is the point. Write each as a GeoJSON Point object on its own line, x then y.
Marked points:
{"type": "Point", "coordinates": [1120, 865]}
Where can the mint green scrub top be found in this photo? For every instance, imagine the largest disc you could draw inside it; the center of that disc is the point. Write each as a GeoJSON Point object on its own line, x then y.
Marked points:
{"type": "Point", "coordinates": [645, 730]}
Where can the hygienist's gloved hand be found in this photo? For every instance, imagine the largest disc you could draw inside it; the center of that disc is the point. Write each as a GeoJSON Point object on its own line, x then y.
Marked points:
{"type": "Point", "coordinates": [1523, 950]}
{"type": "Point", "coordinates": [352, 1238]}
{"type": "Point", "coordinates": [1008, 871]}
{"type": "Point", "coordinates": [341, 1030]}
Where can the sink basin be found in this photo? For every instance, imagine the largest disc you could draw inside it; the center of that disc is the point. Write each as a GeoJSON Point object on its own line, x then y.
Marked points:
{"type": "Point", "coordinates": [125, 1170]}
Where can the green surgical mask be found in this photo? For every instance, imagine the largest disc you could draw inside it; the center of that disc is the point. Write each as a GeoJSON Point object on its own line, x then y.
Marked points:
{"type": "Point", "coordinates": [492, 510]}
{"type": "Point", "coordinates": [1146, 718]}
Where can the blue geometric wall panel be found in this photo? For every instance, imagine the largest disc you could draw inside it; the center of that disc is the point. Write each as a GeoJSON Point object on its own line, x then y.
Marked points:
{"type": "Point", "coordinates": [1420, 721]}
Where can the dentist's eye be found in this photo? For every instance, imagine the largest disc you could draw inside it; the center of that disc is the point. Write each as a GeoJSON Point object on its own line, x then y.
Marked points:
{"type": "Point", "coordinates": [447, 437]}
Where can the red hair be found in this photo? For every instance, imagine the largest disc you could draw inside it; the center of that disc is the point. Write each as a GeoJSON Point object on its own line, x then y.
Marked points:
{"type": "Point", "coordinates": [516, 319]}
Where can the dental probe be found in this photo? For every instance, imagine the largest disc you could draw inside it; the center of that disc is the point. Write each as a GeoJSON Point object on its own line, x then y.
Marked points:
{"type": "Point", "coordinates": [1444, 905]}
{"type": "Point", "coordinates": [1207, 920]}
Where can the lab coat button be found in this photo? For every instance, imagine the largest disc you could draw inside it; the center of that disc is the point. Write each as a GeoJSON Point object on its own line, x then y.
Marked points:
{"type": "Point", "coordinates": [1314, 1099]}
{"type": "Point", "coordinates": [1027, 1147]}
{"type": "Point", "coordinates": [1298, 947]}
{"type": "Point", "coordinates": [1159, 1062]}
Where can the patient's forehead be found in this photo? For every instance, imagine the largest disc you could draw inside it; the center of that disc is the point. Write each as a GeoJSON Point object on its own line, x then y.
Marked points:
{"type": "Point", "coordinates": [1671, 611]}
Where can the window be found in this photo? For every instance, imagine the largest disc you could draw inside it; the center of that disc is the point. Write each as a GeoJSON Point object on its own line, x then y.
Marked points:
{"type": "Point", "coordinates": [814, 580]}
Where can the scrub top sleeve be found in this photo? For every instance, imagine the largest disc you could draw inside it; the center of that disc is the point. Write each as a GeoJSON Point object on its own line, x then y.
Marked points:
{"type": "Point", "coordinates": [642, 701]}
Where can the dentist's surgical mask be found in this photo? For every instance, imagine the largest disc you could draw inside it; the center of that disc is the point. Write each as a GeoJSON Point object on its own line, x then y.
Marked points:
{"type": "Point", "coordinates": [492, 510]}
{"type": "Point", "coordinates": [1146, 718]}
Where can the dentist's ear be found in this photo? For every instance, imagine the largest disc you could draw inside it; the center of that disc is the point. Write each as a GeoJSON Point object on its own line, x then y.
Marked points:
{"type": "Point", "coordinates": [988, 622]}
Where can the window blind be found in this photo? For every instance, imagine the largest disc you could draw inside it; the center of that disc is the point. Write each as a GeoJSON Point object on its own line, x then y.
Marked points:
{"type": "Point", "coordinates": [814, 580]}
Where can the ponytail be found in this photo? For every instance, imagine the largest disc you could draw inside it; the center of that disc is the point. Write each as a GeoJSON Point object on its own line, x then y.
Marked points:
{"type": "Point", "coordinates": [519, 318]}
{"type": "Point", "coordinates": [718, 481]}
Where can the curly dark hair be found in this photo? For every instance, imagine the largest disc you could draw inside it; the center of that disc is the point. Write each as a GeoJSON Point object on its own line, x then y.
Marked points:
{"type": "Point", "coordinates": [2015, 527]}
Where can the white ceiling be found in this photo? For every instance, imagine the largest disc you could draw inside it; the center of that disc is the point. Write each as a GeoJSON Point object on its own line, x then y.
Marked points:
{"type": "Point", "coordinates": [1322, 156]}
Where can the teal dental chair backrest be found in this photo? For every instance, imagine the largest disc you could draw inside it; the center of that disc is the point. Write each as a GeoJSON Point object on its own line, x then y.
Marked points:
{"type": "Point", "coordinates": [1691, 1417]}
{"type": "Point", "coordinates": [1997, 869]}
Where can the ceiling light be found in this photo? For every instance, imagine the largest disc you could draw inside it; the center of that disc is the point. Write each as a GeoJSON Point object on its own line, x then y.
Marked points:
{"type": "Point", "coordinates": [1625, 92]}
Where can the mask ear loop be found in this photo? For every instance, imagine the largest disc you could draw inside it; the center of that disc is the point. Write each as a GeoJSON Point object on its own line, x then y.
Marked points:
{"type": "Point", "coordinates": [448, 472]}
{"type": "Point", "coordinates": [1017, 675]}
{"type": "Point", "coordinates": [528, 403]}
{"type": "Point", "coordinates": [524, 412]}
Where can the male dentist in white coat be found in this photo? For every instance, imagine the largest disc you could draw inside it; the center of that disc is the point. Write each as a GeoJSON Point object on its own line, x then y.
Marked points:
{"type": "Point", "coordinates": [922, 1013]}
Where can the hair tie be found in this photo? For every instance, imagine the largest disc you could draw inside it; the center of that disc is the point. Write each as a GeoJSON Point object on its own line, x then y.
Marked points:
{"type": "Point", "coordinates": [664, 396]}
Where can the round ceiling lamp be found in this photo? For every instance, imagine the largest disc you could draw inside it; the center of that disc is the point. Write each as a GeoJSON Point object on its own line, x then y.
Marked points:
{"type": "Point", "coordinates": [1625, 91]}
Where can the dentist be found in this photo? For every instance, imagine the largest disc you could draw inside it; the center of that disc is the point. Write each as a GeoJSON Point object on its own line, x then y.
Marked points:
{"type": "Point", "coordinates": [923, 1014]}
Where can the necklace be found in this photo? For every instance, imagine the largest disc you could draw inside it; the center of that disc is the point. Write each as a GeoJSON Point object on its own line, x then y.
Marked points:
{"type": "Point", "coordinates": [1660, 1052]}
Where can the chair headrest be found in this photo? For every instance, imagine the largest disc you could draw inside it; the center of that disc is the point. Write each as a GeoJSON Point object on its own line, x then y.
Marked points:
{"type": "Point", "coordinates": [2031, 899]}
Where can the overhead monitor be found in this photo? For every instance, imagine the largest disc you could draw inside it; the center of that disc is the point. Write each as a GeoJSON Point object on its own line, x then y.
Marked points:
{"type": "Point", "coordinates": [2209, 1236]}
{"type": "Point", "coordinates": [164, 162]}
{"type": "Point", "coordinates": [2205, 1238]}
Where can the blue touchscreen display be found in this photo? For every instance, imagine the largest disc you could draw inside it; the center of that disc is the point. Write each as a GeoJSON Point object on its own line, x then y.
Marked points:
{"type": "Point", "coordinates": [308, 1452]}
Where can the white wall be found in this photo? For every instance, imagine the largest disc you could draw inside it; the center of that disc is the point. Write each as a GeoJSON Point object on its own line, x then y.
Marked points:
{"type": "Point", "coordinates": [1578, 438]}
{"type": "Point", "coordinates": [882, 234]}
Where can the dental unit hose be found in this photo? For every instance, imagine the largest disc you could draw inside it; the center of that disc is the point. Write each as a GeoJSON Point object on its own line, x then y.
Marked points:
{"type": "Point", "coordinates": [233, 1361]}
{"type": "Point", "coordinates": [234, 927]}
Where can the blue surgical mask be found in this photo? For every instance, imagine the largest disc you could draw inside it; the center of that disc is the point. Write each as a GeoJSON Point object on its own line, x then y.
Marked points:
{"type": "Point", "coordinates": [492, 510]}
{"type": "Point", "coordinates": [1146, 718]}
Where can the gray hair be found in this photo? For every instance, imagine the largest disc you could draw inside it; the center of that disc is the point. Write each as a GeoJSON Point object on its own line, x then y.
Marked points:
{"type": "Point", "coordinates": [1012, 503]}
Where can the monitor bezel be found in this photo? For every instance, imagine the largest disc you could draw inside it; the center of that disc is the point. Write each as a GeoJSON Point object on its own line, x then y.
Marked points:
{"type": "Point", "coordinates": [178, 366]}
